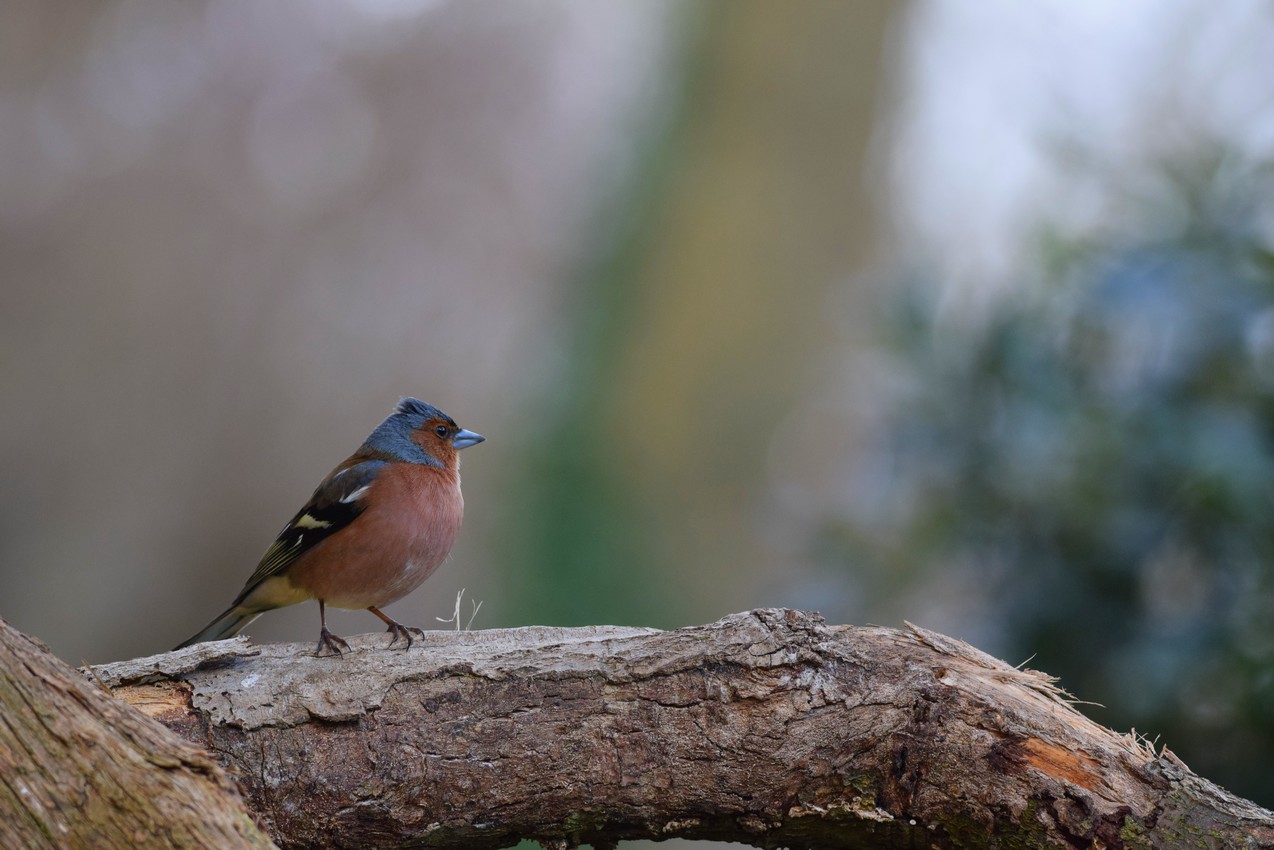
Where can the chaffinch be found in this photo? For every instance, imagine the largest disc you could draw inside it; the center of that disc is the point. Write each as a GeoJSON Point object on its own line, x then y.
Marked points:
{"type": "Point", "coordinates": [379, 525]}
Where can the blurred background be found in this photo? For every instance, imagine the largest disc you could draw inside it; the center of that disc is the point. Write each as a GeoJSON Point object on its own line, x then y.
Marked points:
{"type": "Point", "coordinates": [959, 313]}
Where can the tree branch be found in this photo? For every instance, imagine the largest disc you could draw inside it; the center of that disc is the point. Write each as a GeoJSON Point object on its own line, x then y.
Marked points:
{"type": "Point", "coordinates": [79, 769]}
{"type": "Point", "coordinates": [770, 728]}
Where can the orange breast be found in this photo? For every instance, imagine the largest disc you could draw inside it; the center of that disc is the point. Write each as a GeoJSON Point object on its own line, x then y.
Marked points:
{"type": "Point", "coordinates": [413, 514]}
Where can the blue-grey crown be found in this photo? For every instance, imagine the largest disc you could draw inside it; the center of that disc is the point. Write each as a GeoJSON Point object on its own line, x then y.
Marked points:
{"type": "Point", "coordinates": [393, 436]}
{"type": "Point", "coordinates": [416, 407]}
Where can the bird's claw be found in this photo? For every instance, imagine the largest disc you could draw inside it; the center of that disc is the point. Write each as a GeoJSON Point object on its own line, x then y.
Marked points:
{"type": "Point", "coordinates": [334, 643]}
{"type": "Point", "coordinates": [398, 630]}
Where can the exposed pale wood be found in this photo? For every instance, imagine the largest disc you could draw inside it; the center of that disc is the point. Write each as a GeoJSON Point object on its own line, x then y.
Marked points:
{"type": "Point", "coordinates": [79, 769]}
{"type": "Point", "coordinates": [768, 727]}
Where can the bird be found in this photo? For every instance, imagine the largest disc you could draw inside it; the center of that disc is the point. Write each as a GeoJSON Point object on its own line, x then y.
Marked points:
{"type": "Point", "coordinates": [377, 526]}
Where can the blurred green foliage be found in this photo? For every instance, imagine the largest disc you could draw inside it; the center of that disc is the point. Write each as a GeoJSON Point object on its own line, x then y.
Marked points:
{"type": "Point", "coordinates": [1096, 453]}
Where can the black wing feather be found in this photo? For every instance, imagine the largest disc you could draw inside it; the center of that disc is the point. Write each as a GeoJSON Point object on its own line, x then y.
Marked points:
{"type": "Point", "coordinates": [328, 511]}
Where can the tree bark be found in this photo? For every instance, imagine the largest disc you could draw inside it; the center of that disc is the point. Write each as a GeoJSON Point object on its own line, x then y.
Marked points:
{"type": "Point", "coordinates": [769, 727]}
{"type": "Point", "coordinates": [79, 769]}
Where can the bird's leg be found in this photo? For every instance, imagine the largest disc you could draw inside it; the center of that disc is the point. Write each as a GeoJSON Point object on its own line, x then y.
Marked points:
{"type": "Point", "coordinates": [397, 629]}
{"type": "Point", "coordinates": [327, 640]}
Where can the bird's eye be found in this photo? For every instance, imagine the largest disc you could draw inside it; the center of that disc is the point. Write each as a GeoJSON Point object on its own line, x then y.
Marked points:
{"type": "Point", "coordinates": [441, 431]}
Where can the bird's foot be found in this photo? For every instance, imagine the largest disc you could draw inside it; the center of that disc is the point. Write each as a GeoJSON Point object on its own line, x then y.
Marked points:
{"type": "Point", "coordinates": [334, 644]}
{"type": "Point", "coordinates": [398, 630]}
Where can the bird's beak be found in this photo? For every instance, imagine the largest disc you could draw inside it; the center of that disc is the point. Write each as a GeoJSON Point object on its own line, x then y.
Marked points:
{"type": "Point", "coordinates": [463, 439]}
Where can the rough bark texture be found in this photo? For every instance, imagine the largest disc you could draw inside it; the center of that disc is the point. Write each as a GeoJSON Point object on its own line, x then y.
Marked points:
{"type": "Point", "coordinates": [80, 769]}
{"type": "Point", "coordinates": [769, 727]}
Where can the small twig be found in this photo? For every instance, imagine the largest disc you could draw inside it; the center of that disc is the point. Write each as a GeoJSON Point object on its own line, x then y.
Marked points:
{"type": "Point", "coordinates": [1142, 744]}
{"type": "Point", "coordinates": [455, 614]}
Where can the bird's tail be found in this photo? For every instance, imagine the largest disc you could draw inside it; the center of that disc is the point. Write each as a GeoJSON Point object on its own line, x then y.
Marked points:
{"type": "Point", "coordinates": [232, 621]}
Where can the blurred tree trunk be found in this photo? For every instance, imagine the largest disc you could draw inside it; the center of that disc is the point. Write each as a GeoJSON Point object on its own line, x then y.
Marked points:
{"type": "Point", "coordinates": [80, 769]}
{"type": "Point", "coordinates": [702, 331]}
{"type": "Point", "coordinates": [750, 272]}
{"type": "Point", "coordinates": [769, 728]}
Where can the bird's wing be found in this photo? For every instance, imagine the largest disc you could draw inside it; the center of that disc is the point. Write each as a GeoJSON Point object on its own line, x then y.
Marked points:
{"type": "Point", "coordinates": [335, 504]}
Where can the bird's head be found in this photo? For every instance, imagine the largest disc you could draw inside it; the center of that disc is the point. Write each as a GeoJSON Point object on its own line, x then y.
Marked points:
{"type": "Point", "coordinates": [418, 432]}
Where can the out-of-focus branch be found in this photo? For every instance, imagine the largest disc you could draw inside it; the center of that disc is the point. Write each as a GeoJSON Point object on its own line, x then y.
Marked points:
{"type": "Point", "coordinates": [79, 769]}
